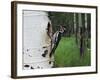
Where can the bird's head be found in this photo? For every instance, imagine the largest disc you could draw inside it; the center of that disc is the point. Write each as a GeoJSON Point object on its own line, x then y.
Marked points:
{"type": "Point", "coordinates": [62, 29]}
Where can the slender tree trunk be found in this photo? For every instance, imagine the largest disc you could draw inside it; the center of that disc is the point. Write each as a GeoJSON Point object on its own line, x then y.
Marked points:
{"type": "Point", "coordinates": [86, 32]}
{"type": "Point", "coordinates": [74, 22]}
{"type": "Point", "coordinates": [80, 34]}
{"type": "Point", "coordinates": [80, 21]}
{"type": "Point", "coordinates": [75, 28]}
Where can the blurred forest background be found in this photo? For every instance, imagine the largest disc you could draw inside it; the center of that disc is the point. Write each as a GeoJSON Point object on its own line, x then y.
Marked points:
{"type": "Point", "coordinates": [74, 48]}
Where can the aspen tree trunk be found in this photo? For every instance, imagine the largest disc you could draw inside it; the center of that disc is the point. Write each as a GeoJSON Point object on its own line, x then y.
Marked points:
{"type": "Point", "coordinates": [74, 22]}
{"type": "Point", "coordinates": [86, 32]}
{"type": "Point", "coordinates": [80, 34]}
{"type": "Point", "coordinates": [75, 27]}
{"type": "Point", "coordinates": [36, 41]}
{"type": "Point", "coordinates": [85, 20]}
{"type": "Point", "coordinates": [80, 21]}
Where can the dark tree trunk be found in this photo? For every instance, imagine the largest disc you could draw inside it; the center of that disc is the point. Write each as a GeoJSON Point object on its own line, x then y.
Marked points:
{"type": "Point", "coordinates": [81, 35]}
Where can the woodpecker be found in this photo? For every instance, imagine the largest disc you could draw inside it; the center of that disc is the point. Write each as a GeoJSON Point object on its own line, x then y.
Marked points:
{"type": "Point", "coordinates": [56, 39]}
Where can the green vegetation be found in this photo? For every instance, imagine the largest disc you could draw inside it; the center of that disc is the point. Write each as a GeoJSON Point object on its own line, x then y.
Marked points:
{"type": "Point", "coordinates": [67, 54]}
{"type": "Point", "coordinates": [75, 45]}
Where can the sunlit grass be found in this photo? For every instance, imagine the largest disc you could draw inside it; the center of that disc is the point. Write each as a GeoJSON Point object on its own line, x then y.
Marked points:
{"type": "Point", "coordinates": [67, 54]}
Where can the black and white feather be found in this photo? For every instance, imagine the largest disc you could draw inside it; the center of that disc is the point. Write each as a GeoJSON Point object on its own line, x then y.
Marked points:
{"type": "Point", "coordinates": [56, 39]}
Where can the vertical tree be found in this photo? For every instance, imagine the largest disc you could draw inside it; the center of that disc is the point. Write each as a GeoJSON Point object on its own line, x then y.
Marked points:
{"type": "Point", "coordinates": [81, 35]}
{"type": "Point", "coordinates": [74, 22]}
{"type": "Point", "coordinates": [86, 31]}
{"type": "Point", "coordinates": [75, 28]}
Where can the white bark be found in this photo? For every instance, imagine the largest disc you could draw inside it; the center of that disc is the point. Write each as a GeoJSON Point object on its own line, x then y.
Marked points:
{"type": "Point", "coordinates": [35, 38]}
{"type": "Point", "coordinates": [74, 22]}
{"type": "Point", "coordinates": [85, 20]}
{"type": "Point", "coordinates": [80, 20]}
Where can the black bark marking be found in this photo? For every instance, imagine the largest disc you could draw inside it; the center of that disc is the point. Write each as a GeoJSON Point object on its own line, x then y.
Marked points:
{"type": "Point", "coordinates": [26, 65]}
{"type": "Point", "coordinates": [49, 30]}
{"type": "Point", "coordinates": [44, 47]}
{"type": "Point", "coordinates": [29, 55]}
{"type": "Point", "coordinates": [32, 67]}
{"type": "Point", "coordinates": [27, 50]}
{"type": "Point", "coordinates": [38, 67]}
{"type": "Point", "coordinates": [45, 53]}
{"type": "Point", "coordinates": [49, 62]}
{"type": "Point", "coordinates": [53, 67]}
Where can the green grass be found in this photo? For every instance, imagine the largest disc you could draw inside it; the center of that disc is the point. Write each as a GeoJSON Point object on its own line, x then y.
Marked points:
{"type": "Point", "coordinates": [67, 54]}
